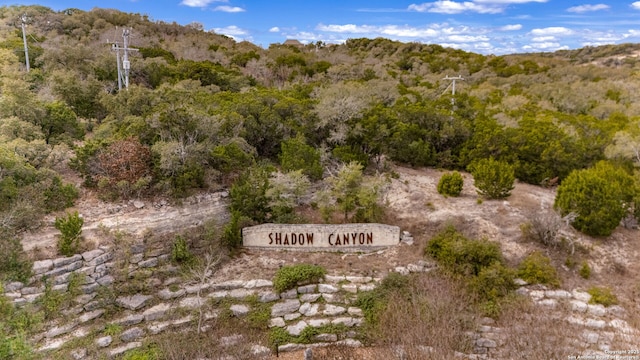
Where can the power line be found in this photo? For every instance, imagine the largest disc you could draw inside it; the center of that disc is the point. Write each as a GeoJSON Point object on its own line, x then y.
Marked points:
{"type": "Point", "coordinates": [453, 86]}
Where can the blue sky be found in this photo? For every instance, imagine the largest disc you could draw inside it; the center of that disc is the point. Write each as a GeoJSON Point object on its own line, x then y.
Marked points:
{"type": "Point", "coordinates": [481, 26]}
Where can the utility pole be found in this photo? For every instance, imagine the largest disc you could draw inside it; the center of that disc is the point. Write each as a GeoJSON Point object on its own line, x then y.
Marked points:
{"type": "Point", "coordinates": [125, 65]}
{"type": "Point", "coordinates": [453, 84]}
{"type": "Point", "coordinates": [24, 40]}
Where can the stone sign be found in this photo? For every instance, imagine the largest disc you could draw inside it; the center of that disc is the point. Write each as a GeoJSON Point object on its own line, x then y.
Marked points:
{"type": "Point", "coordinates": [321, 237]}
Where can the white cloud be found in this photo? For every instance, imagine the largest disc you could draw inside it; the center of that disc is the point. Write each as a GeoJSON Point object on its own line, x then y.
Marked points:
{"type": "Point", "coordinates": [274, 29]}
{"type": "Point", "coordinates": [587, 8]}
{"type": "Point", "coordinates": [407, 31]}
{"type": "Point", "coordinates": [452, 7]}
{"type": "Point", "coordinates": [200, 3]}
{"type": "Point", "coordinates": [636, 5]}
{"type": "Point", "coordinates": [544, 38]}
{"type": "Point", "coordinates": [232, 31]}
{"type": "Point", "coordinates": [513, 27]}
{"type": "Point", "coordinates": [229, 9]}
{"type": "Point", "coordinates": [467, 38]}
{"type": "Point", "coordinates": [632, 34]}
{"type": "Point", "coordinates": [554, 30]}
{"type": "Point", "coordinates": [544, 46]}
{"type": "Point", "coordinates": [347, 28]}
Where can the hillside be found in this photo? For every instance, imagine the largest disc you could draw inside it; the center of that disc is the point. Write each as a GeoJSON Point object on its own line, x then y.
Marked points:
{"type": "Point", "coordinates": [212, 135]}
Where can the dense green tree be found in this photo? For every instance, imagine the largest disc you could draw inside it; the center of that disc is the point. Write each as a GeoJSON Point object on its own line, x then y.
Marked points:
{"type": "Point", "coordinates": [60, 124]}
{"type": "Point", "coordinates": [600, 196]}
{"type": "Point", "coordinates": [248, 193]}
{"type": "Point", "coordinates": [297, 155]}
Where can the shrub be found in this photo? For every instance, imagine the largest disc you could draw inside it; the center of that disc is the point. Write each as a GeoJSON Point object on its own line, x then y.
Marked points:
{"type": "Point", "coordinates": [288, 277]}
{"type": "Point", "coordinates": [232, 232]}
{"type": "Point", "coordinates": [450, 184]}
{"type": "Point", "coordinates": [14, 264]}
{"type": "Point", "coordinates": [602, 296]}
{"type": "Point", "coordinates": [537, 269]}
{"type": "Point", "coordinates": [460, 255]}
{"type": "Point", "coordinates": [493, 282]}
{"type": "Point", "coordinates": [180, 252]}
{"type": "Point", "coordinates": [279, 336]}
{"type": "Point", "coordinates": [585, 270]}
{"type": "Point", "coordinates": [600, 196]}
{"type": "Point", "coordinates": [493, 179]}
{"type": "Point", "coordinates": [59, 196]}
{"type": "Point", "coordinates": [297, 155]}
{"type": "Point", "coordinates": [70, 227]}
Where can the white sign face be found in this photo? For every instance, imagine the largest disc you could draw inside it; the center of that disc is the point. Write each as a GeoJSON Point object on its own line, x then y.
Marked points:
{"type": "Point", "coordinates": [321, 237]}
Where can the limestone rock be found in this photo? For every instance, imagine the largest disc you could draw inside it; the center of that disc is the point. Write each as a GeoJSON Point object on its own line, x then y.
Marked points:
{"type": "Point", "coordinates": [276, 322]}
{"type": "Point", "coordinates": [166, 294]}
{"type": "Point", "coordinates": [597, 309]}
{"type": "Point", "coordinates": [153, 262]}
{"type": "Point", "coordinates": [290, 294]}
{"type": "Point", "coordinates": [284, 308]}
{"type": "Point", "coordinates": [132, 334]}
{"type": "Point", "coordinates": [192, 302]}
{"type": "Point", "coordinates": [307, 289]}
{"type": "Point", "coordinates": [268, 296]}
{"type": "Point", "coordinates": [129, 320]}
{"type": "Point", "coordinates": [259, 350]}
{"type": "Point", "coordinates": [326, 337]}
{"type": "Point", "coordinates": [13, 286]}
{"type": "Point", "coordinates": [156, 312]}
{"type": "Point", "coordinates": [332, 310]}
{"type": "Point", "coordinates": [292, 316]}
{"type": "Point", "coordinates": [91, 254]}
{"type": "Point", "coordinates": [124, 348]}
{"type": "Point", "coordinates": [307, 309]}
{"type": "Point", "coordinates": [42, 266]}
{"type": "Point", "coordinates": [239, 310]}
{"type": "Point", "coordinates": [258, 283]}
{"type": "Point", "coordinates": [310, 297]}
{"type": "Point", "coordinates": [133, 302]}
{"type": "Point", "coordinates": [327, 289]}
{"type": "Point", "coordinates": [79, 354]}
{"type": "Point", "coordinates": [296, 329]}
{"type": "Point", "coordinates": [90, 315]}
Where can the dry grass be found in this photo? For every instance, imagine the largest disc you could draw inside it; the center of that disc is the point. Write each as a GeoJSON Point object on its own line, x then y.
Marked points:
{"type": "Point", "coordinates": [414, 321]}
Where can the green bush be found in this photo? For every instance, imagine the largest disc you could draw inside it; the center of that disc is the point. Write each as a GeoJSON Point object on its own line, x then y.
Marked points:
{"type": "Point", "coordinates": [451, 184]}
{"type": "Point", "coordinates": [585, 270]}
{"type": "Point", "coordinates": [180, 252]}
{"type": "Point", "coordinates": [602, 296]}
{"type": "Point", "coordinates": [537, 269]}
{"type": "Point", "coordinates": [288, 277]}
{"type": "Point", "coordinates": [232, 232]}
{"type": "Point", "coordinates": [462, 256]}
{"type": "Point", "coordinates": [493, 282]}
{"type": "Point", "coordinates": [600, 196]}
{"type": "Point", "coordinates": [16, 324]}
{"type": "Point", "coordinates": [70, 227]}
{"type": "Point", "coordinates": [59, 196]}
{"type": "Point", "coordinates": [279, 336]}
{"type": "Point", "coordinates": [14, 264]}
{"type": "Point", "coordinates": [297, 155]}
{"type": "Point", "coordinates": [493, 179]}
